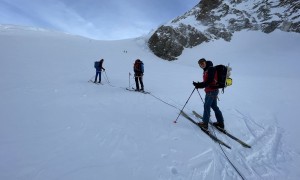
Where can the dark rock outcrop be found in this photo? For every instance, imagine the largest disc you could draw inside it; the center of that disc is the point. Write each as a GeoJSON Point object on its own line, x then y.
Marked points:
{"type": "Point", "coordinates": [219, 19]}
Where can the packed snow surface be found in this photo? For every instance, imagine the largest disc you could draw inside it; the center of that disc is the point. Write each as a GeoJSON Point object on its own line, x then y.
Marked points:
{"type": "Point", "coordinates": [54, 124]}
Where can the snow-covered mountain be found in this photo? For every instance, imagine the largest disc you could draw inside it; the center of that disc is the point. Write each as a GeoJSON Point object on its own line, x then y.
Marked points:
{"type": "Point", "coordinates": [214, 19]}
{"type": "Point", "coordinates": [54, 124]}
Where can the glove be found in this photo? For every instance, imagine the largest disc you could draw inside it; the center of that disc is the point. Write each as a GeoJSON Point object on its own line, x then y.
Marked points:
{"type": "Point", "coordinates": [198, 85]}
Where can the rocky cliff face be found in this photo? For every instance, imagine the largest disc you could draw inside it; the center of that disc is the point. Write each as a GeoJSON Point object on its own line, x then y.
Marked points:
{"type": "Point", "coordinates": [215, 19]}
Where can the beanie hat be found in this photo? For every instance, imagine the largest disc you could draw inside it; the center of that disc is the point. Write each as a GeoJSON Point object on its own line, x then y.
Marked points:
{"type": "Point", "coordinates": [201, 60]}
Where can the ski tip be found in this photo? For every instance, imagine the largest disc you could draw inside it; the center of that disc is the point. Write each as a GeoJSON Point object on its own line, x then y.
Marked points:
{"type": "Point", "coordinates": [246, 145]}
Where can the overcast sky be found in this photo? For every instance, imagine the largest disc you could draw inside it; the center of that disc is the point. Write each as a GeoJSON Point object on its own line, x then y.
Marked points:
{"type": "Point", "coordinates": [97, 19]}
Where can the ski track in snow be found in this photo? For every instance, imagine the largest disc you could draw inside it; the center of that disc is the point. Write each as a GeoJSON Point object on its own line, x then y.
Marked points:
{"type": "Point", "coordinates": [266, 147]}
{"type": "Point", "coordinates": [266, 140]}
{"type": "Point", "coordinates": [254, 163]}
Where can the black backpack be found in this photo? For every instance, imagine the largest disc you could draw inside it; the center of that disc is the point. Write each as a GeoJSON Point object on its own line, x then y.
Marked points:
{"type": "Point", "coordinates": [97, 64]}
{"type": "Point", "coordinates": [139, 66]}
{"type": "Point", "coordinates": [223, 79]}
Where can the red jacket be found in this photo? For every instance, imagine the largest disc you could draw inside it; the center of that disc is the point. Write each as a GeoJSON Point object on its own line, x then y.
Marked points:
{"type": "Point", "coordinates": [210, 86]}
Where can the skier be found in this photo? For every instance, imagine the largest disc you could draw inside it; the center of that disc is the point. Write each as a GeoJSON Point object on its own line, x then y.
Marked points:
{"type": "Point", "coordinates": [138, 69]}
{"type": "Point", "coordinates": [99, 68]}
{"type": "Point", "coordinates": [209, 81]}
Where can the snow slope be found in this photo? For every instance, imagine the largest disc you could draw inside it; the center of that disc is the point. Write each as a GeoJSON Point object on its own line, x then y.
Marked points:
{"type": "Point", "coordinates": [54, 124]}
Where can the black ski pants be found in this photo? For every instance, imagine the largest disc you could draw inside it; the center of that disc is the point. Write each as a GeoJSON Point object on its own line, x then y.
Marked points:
{"type": "Point", "coordinates": [139, 79]}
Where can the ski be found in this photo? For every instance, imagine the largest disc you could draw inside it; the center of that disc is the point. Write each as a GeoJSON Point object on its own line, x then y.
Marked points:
{"type": "Point", "coordinates": [207, 132]}
{"type": "Point", "coordinates": [144, 92]}
{"type": "Point", "coordinates": [95, 82]}
{"type": "Point", "coordinates": [225, 132]}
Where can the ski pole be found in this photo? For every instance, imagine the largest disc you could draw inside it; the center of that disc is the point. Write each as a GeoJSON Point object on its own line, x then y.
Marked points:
{"type": "Point", "coordinates": [200, 96]}
{"type": "Point", "coordinates": [184, 105]}
{"type": "Point", "coordinates": [106, 77]}
{"type": "Point", "coordinates": [93, 77]}
{"type": "Point", "coordinates": [129, 80]}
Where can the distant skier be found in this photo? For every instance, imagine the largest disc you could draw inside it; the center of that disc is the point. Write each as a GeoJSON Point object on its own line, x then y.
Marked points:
{"type": "Point", "coordinates": [99, 67]}
{"type": "Point", "coordinates": [209, 81]}
{"type": "Point", "coordinates": [138, 69]}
